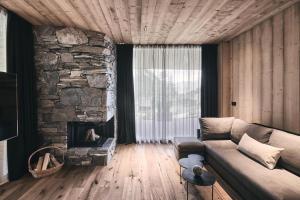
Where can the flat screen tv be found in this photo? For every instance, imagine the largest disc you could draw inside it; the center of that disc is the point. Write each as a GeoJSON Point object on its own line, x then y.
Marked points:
{"type": "Point", "coordinates": [8, 106]}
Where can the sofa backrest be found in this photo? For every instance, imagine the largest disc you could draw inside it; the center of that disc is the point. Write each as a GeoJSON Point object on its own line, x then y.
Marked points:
{"type": "Point", "coordinates": [255, 131]}
{"type": "Point", "coordinates": [239, 127]}
{"type": "Point", "coordinates": [216, 128]}
{"type": "Point", "coordinates": [290, 156]}
{"type": "Point", "coordinates": [259, 132]}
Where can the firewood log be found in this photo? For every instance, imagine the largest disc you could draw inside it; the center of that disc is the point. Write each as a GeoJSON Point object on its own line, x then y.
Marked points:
{"type": "Point", "coordinates": [88, 135]}
{"type": "Point", "coordinates": [46, 161]}
{"type": "Point", "coordinates": [39, 164]}
{"type": "Point", "coordinates": [54, 161]}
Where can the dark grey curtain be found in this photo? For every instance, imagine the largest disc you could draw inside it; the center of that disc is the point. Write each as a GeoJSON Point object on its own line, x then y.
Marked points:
{"type": "Point", "coordinates": [125, 95]}
{"type": "Point", "coordinates": [209, 81]}
{"type": "Point", "coordinates": [20, 60]}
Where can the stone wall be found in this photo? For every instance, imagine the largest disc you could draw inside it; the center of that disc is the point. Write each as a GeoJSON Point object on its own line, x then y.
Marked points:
{"type": "Point", "coordinates": [76, 78]}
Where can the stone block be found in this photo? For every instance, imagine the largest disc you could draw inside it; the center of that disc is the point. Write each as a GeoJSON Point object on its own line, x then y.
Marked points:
{"type": "Point", "coordinates": [66, 57]}
{"type": "Point", "coordinates": [70, 96]}
{"type": "Point", "coordinates": [97, 81]}
{"type": "Point", "coordinates": [87, 49]}
{"type": "Point", "coordinates": [49, 130]}
{"type": "Point", "coordinates": [75, 74]}
{"type": "Point", "coordinates": [71, 36]}
{"type": "Point", "coordinates": [99, 159]}
{"type": "Point", "coordinates": [64, 114]}
{"type": "Point", "coordinates": [64, 72]}
{"type": "Point", "coordinates": [95, 41]}
{"type": "Point", "coordinates": [46, 103]}
{"type": "Point", "coordinates": [46, 58]}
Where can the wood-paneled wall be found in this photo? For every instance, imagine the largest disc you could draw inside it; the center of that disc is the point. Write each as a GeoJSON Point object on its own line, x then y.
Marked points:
{"type": "Point", "coordinates": [224, 74]}
{"type": "Point", "coordinates": [265, 72]}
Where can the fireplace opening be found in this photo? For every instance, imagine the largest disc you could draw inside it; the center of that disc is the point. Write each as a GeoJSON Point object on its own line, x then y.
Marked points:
{"type": "Point", "coordinates": [89, 134]}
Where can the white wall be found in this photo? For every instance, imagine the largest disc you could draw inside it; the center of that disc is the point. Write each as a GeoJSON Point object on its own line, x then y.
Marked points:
{"type": "Point", "coordinates": [3, 144]}
{"type": "Point", "coordinates": [3, 162]}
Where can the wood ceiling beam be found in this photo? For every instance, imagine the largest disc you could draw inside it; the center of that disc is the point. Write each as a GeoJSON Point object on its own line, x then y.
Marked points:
{"type": "Point", "coordinates": [171, 17]}
{"type": "Point", "coordinates": [111, 18]}
{"type": "Point", "coordinates": [147, 18]}
{"type": "Point", "coordinates": [43, 11]}
{"type": "Point", "coordinates": [99, 17]}
{"type": "Point", "coordinates": [135, 13]}
{"type": "Point", "coordinates": [159, 14]}
{"type": "Point", "coordinates": [84, 13]}
{"type": "Point", "coordinates": [122, 13]}
{"type": "Point", "coordinates": [57, 12]}
{"type": "Point", "coordinates": [183, 18]}
{"type": "Point", "coordinates": [225, 16]}
{"type": "Point", "coordinates": [71, 14]}
{"type": "Point", "coordinates": [13, 6]}
{"type": "Point", "coordinates": [208, 12]}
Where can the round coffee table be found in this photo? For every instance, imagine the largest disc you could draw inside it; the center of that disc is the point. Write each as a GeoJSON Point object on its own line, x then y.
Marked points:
{"type": "Point", "coordinates": [206, 179]}
{"type": "Point", "coordinates": [190, 162]}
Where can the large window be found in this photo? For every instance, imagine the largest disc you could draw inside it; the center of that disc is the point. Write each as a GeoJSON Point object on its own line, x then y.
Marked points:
{"type": "Point", "coordinates": [167, 91]}
{"type": "Point", "coordinates": [3, 24]}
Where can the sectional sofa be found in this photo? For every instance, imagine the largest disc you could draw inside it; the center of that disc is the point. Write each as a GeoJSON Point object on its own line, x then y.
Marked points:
{"type": "Point", "coordinates": [250, 179]}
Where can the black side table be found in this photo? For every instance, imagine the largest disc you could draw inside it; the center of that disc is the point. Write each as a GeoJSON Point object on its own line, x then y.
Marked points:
{"type": "Point", "coordinates": [190, 162]}
{"type": "Point", "coordinates": [206, 179]}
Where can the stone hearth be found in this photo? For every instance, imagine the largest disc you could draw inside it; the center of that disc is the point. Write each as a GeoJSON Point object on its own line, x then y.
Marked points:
{"type": "Point", "coordinates": [91, 155]}
{"type": "Point", "coordinates": [76, 81]}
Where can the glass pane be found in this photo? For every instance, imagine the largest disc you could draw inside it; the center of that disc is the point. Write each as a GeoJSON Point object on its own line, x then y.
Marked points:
{"type": "Point", "coordinates": [3, 25]}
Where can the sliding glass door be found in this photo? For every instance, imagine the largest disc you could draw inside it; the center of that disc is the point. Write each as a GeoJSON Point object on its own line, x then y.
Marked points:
{"type": "Point", "coordinates": [167, 91]}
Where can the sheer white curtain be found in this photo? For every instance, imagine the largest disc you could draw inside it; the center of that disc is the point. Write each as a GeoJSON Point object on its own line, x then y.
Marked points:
{"type": "Point", "coordinates": [167, 91]}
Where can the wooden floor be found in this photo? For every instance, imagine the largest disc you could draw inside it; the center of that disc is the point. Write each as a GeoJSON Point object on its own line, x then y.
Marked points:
{"type": "Point", "coordinates": [144, 171]}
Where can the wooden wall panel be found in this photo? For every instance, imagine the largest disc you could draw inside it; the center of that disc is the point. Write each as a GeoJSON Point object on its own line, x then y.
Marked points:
{"type": "Point", "coordinates": [256, 74]}
{"type": "Point", "coordinates": [266, 42]}
{"type": "Point", "coordinates": [241, 77]}
{"type": "Point", "coordinates": [225, 80]}
{"type": "Point", "coordinates": [265, 76]}
{"type": "Point", "coordinates": [235, 75]}
{"type": "Point", "coordinates": [291, 72]}
{"type": "Point", "coordinates": [248, 77]}
{"type": "Point", "coordinates": [278, 71]}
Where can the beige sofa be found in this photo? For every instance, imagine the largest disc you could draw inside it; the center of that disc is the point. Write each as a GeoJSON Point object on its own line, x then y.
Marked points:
{"type": "Point", "coordinates": [250, 179]}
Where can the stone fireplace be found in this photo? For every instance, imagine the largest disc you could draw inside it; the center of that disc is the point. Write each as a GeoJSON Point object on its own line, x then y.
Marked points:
{"type": "Point", "coordinates": [89, 134]}
{"type": "Point", "coordinates": [76, 85]}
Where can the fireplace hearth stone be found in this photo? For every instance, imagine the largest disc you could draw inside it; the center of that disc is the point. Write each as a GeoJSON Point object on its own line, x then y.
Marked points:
{"type": "Point", "coordinates": [91, 156]}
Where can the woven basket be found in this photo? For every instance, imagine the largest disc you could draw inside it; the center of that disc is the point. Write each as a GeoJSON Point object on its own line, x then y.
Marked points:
{"type": "Point", "coordinates": [47, 172]}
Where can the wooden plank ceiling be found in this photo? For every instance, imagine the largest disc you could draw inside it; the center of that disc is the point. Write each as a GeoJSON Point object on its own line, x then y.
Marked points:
{"type": "Point", "coordinates": [152, 21]}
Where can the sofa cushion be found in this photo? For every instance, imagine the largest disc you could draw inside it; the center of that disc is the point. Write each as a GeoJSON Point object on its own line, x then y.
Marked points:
{"type": "Point", "coordinates": [223, 144]}
{"type": "Point", "coordinates": [239, 127]}
{"type": "Point", "coordinates": [259, 133]}
{"type": "Point", "coordinates": [263, 153]}
{"type": "Point", "coordinates": [264, 183]}
{"type": "Point", "coordinates": [290, 157]}
{"type": "Point", "coordinates": [216, 128]}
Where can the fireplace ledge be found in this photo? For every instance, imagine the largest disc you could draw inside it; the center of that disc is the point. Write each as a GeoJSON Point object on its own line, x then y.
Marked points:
{"type": "Point", "coordinates": [91, 156]}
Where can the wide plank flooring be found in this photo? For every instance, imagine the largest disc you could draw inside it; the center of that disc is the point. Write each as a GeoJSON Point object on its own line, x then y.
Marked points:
{"type": "Point", "coordinates": [141, 171]}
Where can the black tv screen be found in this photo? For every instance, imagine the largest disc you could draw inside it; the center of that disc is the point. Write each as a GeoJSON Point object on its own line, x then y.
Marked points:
{"type": "Point", "coordinates": [8, 106]}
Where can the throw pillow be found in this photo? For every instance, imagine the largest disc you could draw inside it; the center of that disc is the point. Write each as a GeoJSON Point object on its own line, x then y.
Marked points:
{"type": "Point", "coordinates": [263, 153]}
